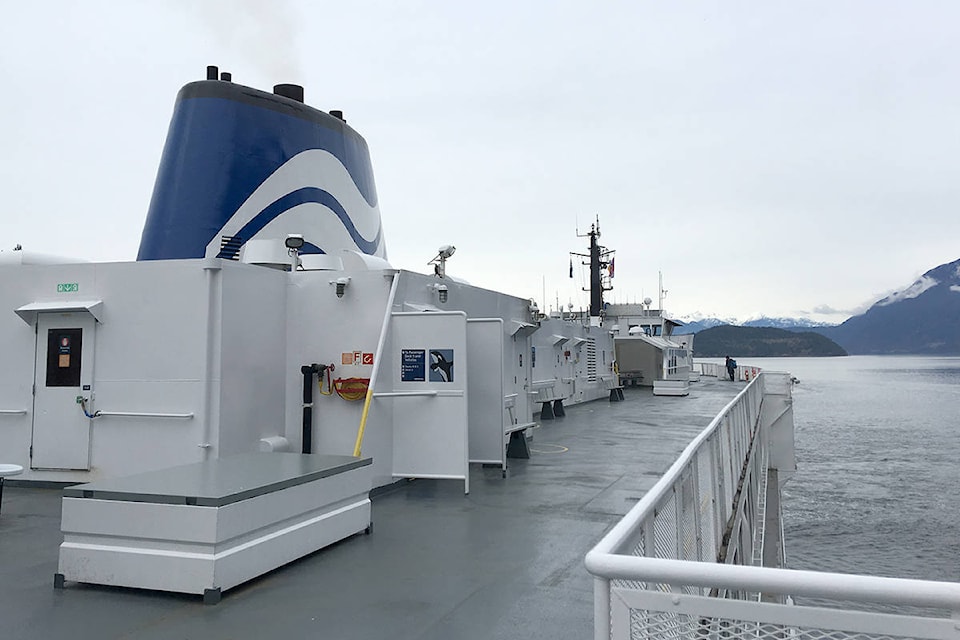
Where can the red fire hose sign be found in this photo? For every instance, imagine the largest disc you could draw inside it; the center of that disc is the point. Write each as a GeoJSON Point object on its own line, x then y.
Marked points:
{"type": "Point", "coordinates": [356, 357]}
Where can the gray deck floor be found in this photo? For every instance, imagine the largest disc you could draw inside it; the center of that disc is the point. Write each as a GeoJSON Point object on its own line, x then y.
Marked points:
{"type": "Point", "coordinates": [505, 561]}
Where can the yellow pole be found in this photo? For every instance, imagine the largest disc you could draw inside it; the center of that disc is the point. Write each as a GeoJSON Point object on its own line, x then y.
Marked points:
{"type": "Point", "coordinates": [363, 421]}
{"type": "Point", "coordinates": [387, 314]}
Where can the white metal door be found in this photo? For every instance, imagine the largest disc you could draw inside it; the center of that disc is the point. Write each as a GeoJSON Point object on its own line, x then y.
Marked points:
{"type": "Point", "coordinates": [430, 432]}
{"type": "Point", "coordinates": [485, 391]}
{"type": "Point", "coordinates": [64, 371]}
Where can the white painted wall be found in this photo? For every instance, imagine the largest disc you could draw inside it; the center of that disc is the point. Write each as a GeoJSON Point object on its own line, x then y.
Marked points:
{"type": "Point", "coordinates": [320, 328]}
{"type": "Point", "coordinates": [149, 358]}
{"type": "Point", "coordinates": [225, 341]}
{"type": "Point", "coordinates": [252, 345]}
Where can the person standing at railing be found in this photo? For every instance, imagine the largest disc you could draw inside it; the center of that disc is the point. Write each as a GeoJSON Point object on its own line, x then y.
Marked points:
{"type": "Point", "coordinates": [731, 367]}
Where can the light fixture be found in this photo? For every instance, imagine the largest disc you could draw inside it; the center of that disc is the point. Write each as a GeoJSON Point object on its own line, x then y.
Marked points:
{"type": "Point", "coordinates": [294, 241]}
{"type": "Point", "coordinates": [440, 261]}
{"type": "Point", "coordinates": [341, 285]}
{"type": "Point", "coordinates": [442, 292]}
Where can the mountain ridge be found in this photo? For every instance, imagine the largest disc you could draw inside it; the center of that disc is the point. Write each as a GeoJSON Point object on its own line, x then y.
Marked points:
{"type": "Point", "coordinates": [922, 318]}
{"type": "Point", "coordinates": [763, 342]}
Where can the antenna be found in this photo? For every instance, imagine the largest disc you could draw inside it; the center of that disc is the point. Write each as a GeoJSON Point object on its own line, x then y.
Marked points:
{"type": "Point", "coordinates": [544, 285]}
{"type": "Point", "coordinates": [663, 292]}
{"type": "Point", "coordinates": [599, 260]}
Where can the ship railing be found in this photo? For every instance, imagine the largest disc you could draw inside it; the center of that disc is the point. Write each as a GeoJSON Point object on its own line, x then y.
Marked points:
{"type": "Point", "coordinates": [714, 370]}
{"type": "Point", "coordinates": [709, 369]}
{"type": "Point", "coordinates": [693, 558]}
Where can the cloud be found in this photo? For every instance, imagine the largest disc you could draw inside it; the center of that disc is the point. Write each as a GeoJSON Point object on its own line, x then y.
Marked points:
{"type": "Point", "coordinates": [914, 290]}
{"type": "Point", "coordinates": [954, 287]}
{"type": "Point", "coordinates": [827, 310]}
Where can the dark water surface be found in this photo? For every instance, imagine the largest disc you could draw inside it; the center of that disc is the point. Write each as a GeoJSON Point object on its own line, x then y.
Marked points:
{"type": "Point", "coordinates": [877, 489]}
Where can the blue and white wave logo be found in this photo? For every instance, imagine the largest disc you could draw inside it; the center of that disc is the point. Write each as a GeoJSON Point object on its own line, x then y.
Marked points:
{"type": "Point", "coordinates": [331, 218]}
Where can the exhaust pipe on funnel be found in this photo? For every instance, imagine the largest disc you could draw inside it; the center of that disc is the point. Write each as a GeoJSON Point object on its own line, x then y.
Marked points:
{"type": "Point", "coordinates": [292, 91]}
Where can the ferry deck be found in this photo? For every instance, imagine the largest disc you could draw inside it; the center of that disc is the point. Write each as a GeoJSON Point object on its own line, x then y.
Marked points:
{"type": "Point", "coordinates": [504, 561]}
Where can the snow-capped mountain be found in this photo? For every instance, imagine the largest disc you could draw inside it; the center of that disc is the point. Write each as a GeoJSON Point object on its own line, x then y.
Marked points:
{"type": "Point", "coordinates": [922, 318]}
{"type": "Point", "coordinates": [790, 324]}
{"type": "Point", "coordinates": [697, 322]}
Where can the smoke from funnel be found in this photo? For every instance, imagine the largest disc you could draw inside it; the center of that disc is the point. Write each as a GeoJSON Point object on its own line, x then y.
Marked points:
{"type": "Point", "coordinates": [264, 35]}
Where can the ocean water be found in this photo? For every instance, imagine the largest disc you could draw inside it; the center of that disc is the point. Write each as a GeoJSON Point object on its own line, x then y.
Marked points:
{"type": "Point", "coordinates": [877, 488]}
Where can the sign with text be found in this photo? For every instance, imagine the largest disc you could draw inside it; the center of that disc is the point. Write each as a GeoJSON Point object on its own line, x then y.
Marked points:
{"type": "Point", "coordinates": [413, 365]}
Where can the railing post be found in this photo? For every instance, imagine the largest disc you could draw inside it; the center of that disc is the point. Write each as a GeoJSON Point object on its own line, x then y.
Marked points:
{"type": "Point", "coordinates": [601, 609]}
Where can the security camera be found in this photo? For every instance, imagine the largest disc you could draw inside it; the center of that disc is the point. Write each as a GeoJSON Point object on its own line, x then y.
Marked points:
{"type": "Point", "coordinates": [294, 241]}
{"type": "Point", "coordinates": [447, 250]}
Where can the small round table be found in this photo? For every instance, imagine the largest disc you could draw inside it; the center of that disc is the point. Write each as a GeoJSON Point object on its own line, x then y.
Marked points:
{"type": "Point", "coordinates": [8, 470]}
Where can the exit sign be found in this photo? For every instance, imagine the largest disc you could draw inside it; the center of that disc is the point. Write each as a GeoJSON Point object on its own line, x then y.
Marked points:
{"type": "Point", "coordinates": [68, 287]}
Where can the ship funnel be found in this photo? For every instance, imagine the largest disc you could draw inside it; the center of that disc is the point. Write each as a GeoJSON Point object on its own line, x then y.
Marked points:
{"type": "Point", "coordinates": [241, 164]}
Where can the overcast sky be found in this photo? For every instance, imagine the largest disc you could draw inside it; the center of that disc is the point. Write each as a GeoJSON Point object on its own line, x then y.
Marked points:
{"type": "Point", "coordinates": [766, 157]}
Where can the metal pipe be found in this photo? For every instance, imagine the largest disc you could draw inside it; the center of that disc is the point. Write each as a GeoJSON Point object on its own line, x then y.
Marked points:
{"type": "Point", "coordinates": [378, 355]}
{"type": "Point", "coordinates": [212, 72]}
{"type": "Point", "coordinates": [306, 429]}
{"type": "Point", "coordinates": [212, 321]}
{"type": "Point", "coordinates": [292, 91]}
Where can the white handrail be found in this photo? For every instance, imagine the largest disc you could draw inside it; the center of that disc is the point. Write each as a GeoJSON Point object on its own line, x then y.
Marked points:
{"type": "Point", "coordinates": [12, 412]}
{"type": "Point", "coordinates": [403, 394]}
{"type": "Point", "coordinates": [636, 559]}
{"type": "Point", "coordinates": [425, 393]}
{"type": "Point", "coordinates": [623, 529]}
{"type": "Point", "coordinates": [812, 584]}
{"type": "Point", "coordinates": [136, 414]}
